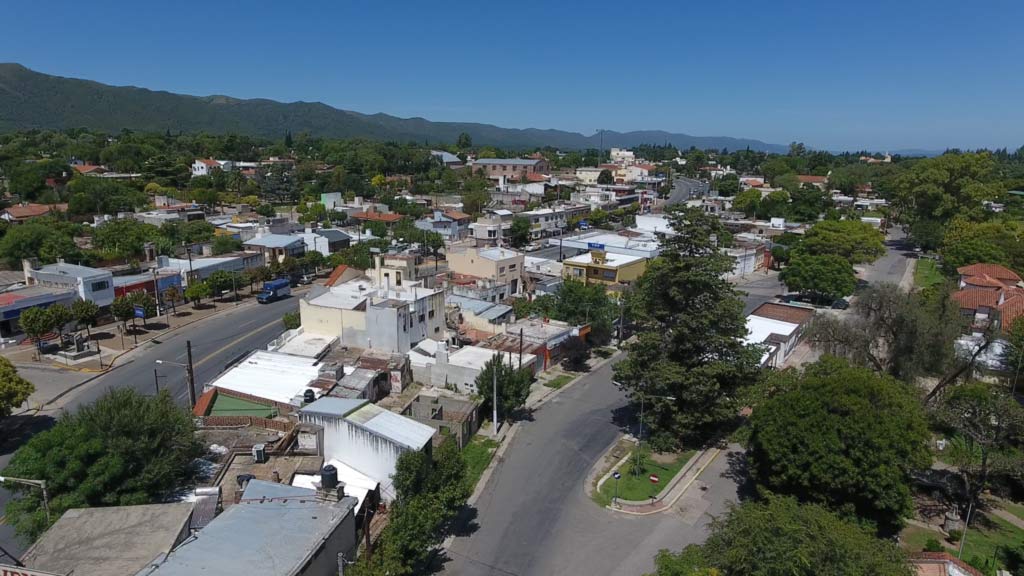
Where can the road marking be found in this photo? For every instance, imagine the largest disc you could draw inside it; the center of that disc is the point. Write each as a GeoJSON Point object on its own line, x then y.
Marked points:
{"type": "Point", "coordinates": [3, 520]}
{"type": "Point", "coordinates": [210, 356]}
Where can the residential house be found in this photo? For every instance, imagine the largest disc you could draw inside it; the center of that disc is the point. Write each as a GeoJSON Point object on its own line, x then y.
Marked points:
{"type": "Point", "coordinates": [206, 166]}
{"type": "Point", "coordinates": [622, 156]}
{"type": "Point", "coordinates": [989, 293]}
{"type": "Point", "coordinates": [326, 241]}
{"type": "Point", "coordinates": [391, 318]}
{"type": "Point", "coordinates": [372, 215]}
{"type": "Point", "coordinates": [587, 175]}
{"type": "Point", "coordinates": [449, 416]}
{"type": "Point", "coordinates": [542, 337]}
{"type": "Point", "coordinates": [778, 327]}
{"type": "Point", "coordinates": [820, 182]}
{"type": "Point", "coordinates": [492, 228]}
{"type": "Point", "coordinates": [26, 211]}
{"type": "Point", "coordinates": [501, 265]}
{"type": "Point", "coordinates": [447, 158]}
{"type": "Point", "coordinates": [452, 225]}
{"type": "Point", "coordinates": [92, 284]}
{"type": "Point", "coordinates": [600, 267]}
{"type": "Point", "coordinates": [276, 247]}
{"type": "Point", "coordinates": [275, 379]}
{"type": "Point", "coordinates": [471, 314]}
{"type": "Point", "coordinates": [553, 220]}
{"type": "Point", "coordinates": [366, 437]}
{"type": "Point", "coordinates": [511, 168]}
{"type": "Point", "coordinates": [433, 364]}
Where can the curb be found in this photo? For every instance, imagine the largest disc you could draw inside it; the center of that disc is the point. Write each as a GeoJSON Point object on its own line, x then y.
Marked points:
{"type": "Point", "coordinates": [668, 504]}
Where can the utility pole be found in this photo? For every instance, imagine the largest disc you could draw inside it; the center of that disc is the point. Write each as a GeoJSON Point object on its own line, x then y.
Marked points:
{"type": "Point", "coordinates": [494, 374]}
{"type": "Point", "coordinates": [520, 348]}
{"type": "Point", "coordinates": [622, 298]}
{"type": "Point", "coordinates": [191, 377]}
{"type": "Point", "coordinates": [156, 380]}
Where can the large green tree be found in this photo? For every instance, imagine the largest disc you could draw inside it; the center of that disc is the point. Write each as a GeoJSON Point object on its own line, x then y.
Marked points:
{"type": "Point", "coordinates": [689, 344]}
{"type": "Point", "coordinates": [513, 385]}
{"type": "Point", "coordinates": [856, 241]}
{"type": "Point", "coordinates": [519, 232]}
{"type": "Point", "coordinates": [822, 277]}
{"type": "Point", "coordinates": [36, 322]}
{"type": "Point", "coordinates": [123, 449]}
{"type": "Point", "coordinates": [844, 437]}
{"type": "Point", "coordinates": [14, 390]}
{"type": "Point", "coordinates": [780, 537]}
{"type": "Point", "coordinates": [945, 186]}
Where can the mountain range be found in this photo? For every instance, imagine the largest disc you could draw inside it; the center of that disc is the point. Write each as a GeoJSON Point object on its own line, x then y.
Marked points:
{"type": "Point", "coordinates": [30, 100]}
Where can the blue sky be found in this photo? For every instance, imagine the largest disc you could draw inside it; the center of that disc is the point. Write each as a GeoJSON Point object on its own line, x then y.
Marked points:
{"type": "Point", "coordinates": [836, 75]}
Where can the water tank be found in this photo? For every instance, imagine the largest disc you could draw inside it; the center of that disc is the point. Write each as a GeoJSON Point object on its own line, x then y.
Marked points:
{"type": "Point", "coordinates": [259, 453]}
{"type": "Point", "coordinates": [329, 477]}
{"type": "Point", "coordinates": [308, 396]}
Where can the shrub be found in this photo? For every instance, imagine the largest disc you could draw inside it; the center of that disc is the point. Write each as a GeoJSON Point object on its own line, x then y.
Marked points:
{"type": "Point", "coordinates": [933, 545]}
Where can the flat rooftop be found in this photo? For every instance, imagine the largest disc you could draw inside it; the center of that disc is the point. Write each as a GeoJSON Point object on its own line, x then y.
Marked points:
{"type": "Point", "coordinates": [285, 466]}
{"type": "Point", "coordinates": [271, 375]}
{"type": "Point", "coordinates": [111, 541]}
{"type": "Point", "coordinates": [306, 344]}
{"type": "Point", "coordinates": [611, 259]}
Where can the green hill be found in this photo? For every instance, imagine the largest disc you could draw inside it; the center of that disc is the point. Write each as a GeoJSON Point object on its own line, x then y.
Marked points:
{"type": "Point", "coordinates": [30, 99]}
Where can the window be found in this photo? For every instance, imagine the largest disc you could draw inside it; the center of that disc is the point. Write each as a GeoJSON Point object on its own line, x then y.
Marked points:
{"type": "Point", "coordinates": [437, 329]}
{"type": "Point", "coordinates": [501, 270]}
{"type": "Point", "coordinates": [593, 271]}
{"type": "Point", "coordinates": [421, 318]}
{"type": "Point", "coordinates": [430, 314]}
{"type": "Point", "coordinates": [101, 285]}
{"type": "Point", "coordinates": [609, 275]}
{"type": "Point", "coordinates": [511, 267]}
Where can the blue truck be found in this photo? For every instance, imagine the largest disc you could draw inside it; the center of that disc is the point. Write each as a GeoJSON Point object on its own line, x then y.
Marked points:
{"type": "Point", "coordinates": [274, 290]}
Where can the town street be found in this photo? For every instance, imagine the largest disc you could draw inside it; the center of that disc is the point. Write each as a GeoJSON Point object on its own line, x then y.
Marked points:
{"type": "Point", "coordinates": [684, 189]}
{"type": "Point", "coordinates": [216, 341]}
{"type": "Point", "coordinates": [535, 518]}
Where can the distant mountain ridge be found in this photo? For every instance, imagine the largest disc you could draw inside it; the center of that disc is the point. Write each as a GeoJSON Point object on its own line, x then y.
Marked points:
{"type": "Point", "coordinates": [30, 99]}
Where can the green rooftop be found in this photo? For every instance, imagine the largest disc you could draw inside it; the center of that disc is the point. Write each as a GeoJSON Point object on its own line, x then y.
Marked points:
{"type": "Point", "coordinates": [226, 405]}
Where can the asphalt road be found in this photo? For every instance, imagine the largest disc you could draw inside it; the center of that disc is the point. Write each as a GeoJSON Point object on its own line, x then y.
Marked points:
{"type": "Point", "coordinates": [534, 517]}
{"type": "Point", "coordinates": [685, 188]}
{"type": "Point", "coordinates": [216, 341]}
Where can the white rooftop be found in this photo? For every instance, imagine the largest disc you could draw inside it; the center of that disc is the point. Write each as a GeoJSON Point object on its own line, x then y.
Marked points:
{"type": "Point", "coordinates": [394, 427]}
{"type": "Point", "coordinates": [497, 253]}
{"type": "Point", "coordinates": [760, 328]}
{"type": "Point", "coordinates": [610, 259]}
{"type": "Point", "coordinates": [347, 295]}
{"type": "Point", "coordinates": [271, 375]}
{"type": "Point", "coordinates": [301, 343]}
{"type": "Point", "coordinates": [357, 484]}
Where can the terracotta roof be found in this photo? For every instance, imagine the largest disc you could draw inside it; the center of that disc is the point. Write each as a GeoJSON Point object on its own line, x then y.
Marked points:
{"type": "Point", "coordinates": [984, 281]}
{"type": "Point", "coordinates": [974, 299]}
{"type": "Point", "coordinates": [377, 216]}
{"type": "Point", "coordinates": [612, 167]}
{"type": "Point", "coordinates": [87, 168]}
{"type": "Point", "coordinates": [25, 211]}
{"type": "Point", "coordinates": [783, 312]}
{"type": "Point", "coordinates": [209, 161]}
{"type": "Point", "coordinates": [534, 177]}
{"type": "Point", "coordinates": [994, 270]}
{"type": "Point", "coordinates": [456, 215]}
{"type": "Point", "coordinates": [647, 167]}
{"type": "Point", "coordinates": [335, 275]}
{"type": "Point", "coordinates": [809, 179]}
{"type": "Point", "coordinates": [1011, 309]}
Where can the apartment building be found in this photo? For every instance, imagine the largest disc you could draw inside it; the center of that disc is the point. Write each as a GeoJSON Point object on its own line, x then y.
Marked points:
{"type": "Point", "coordinates": [500, 265]}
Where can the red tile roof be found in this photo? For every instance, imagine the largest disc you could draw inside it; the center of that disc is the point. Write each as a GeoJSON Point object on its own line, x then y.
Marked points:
{"type": "Point", "coordinates": [1011, 309]}
{"type": "Point", "coordinates": [783, 312]}
{"type": "Point", "coordinates": [534, 177]}
{"type": "Point", "coordinates": [336, 275]}
{"type": "Point", "coordinates": [26, 211]}
{"type": "Point", "coordinates": [973, 299]}
{"type": "Point", "coordinates": [647, 167]}
{"type": "Point", "coordinates": [994, 270]}
{"type": "Point", "coordinates": [87, 168]}
{"type": "Point", "coordinates": [209, 162]}
{"type": "Point", "coordinates": [809, 179]}
{"type": "Point", "coordinates": [456, 215]}
{"type": "Point", "coordinates": [984, 281]}
{"type": "Point", "coordinates": [377, 216]}
{"type": "Point", "coordinates": [922, 559]}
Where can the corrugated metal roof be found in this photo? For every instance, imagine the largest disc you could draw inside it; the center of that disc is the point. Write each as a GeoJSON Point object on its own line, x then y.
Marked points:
{"type": "Point", "coordinates": [398, 429]}
{"type": "Point", "coordinates": [509, 161]}
{"type": "Point", "coordinates": [73, 270]}
{"type": "Point", "coordinates": [274, 241]}
{"type": "Point", "coordinates": [329, 406]}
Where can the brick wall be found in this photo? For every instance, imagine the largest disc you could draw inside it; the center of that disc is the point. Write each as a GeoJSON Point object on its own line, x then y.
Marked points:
{"type": "Point", "coordinates": [257, 421]}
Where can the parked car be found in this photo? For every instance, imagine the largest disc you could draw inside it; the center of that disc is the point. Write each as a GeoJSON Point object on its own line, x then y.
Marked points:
{"type": "Point", "coordinates": [532, 247]}
{"type": "Point", "coordinates": [840, 304]}
{"type": "Point", "coordinates": [307, 279]}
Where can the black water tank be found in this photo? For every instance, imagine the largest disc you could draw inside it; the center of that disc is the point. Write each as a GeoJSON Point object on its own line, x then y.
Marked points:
{"type": "Point", "coordinates": [308, 396]}
{"type": "Point", "coordinates": [329, 477]}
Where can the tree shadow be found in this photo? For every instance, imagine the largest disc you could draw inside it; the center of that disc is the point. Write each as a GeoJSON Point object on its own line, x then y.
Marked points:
{"type": "Point", "coordinates": [181, 314]}
{"type": "Point", "coordinates": [204, 306]}
{"type": "Point", "coordinates": [625, 418]}
{"type": "Point", "coordinates": [465, 523]}
{"type": "Point", "coordinates": [738, 471]}
{"type": "Point", "coordinates": [99, 336]}
{"type": "Point", "coordinates": [158, 326]}
{"type": "Point", "coordinates": [16, 430]}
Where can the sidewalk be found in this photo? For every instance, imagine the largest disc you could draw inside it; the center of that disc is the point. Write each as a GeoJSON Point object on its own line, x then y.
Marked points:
{"type": "Point", "coordinates": [668, 497]}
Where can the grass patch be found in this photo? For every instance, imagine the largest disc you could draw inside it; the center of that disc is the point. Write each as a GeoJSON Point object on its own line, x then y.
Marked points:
{"type": "Point", "coordinates": [1015, 508]}
{"type": "Point", "coordinates": [927, 273]}
{"type": "Point", "coordinates": [225, 405]}
{"type": "Point", "coordinates": [987, 540]}
{"type": "Point", "coordinates": [640, 487]}
{"type": "Point", "coordinates": [478, 454]}
{"type": "Point", "coordinates": [559, 381]}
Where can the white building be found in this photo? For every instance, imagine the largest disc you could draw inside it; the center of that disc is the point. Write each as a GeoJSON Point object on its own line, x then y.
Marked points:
{"type": "Point", "coordinates": [202, 268]}
{"type": "Point", "coordinates": [587, 175]}
{"type": "Point", "coordinates": [622, 156]}
{"type": "Point", "coordinates": [366, 437]}
{"type": "Point", "coordinates": [434, 365]}
{"type": "Point", "coordinates": [206, 166]}
{"type": "Point", "coordinates": [363, 315]}
{"type": "Point", "coordinates": [273, 377]}
{"type": "Point", "coordinates": [91, 284]}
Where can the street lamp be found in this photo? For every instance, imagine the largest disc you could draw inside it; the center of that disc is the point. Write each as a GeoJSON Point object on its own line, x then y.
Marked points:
{"type": "Point", "coordinates": [189, 370]}
{"type": "Point", "coordinates": [41, 484]}
{"type": "Point", "coordinates": [640, 435]}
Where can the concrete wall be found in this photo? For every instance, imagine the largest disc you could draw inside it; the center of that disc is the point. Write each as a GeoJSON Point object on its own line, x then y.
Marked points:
{"type": "Point", "coordinates": [342, 540]}
{"type": "Point", "coordinates": [349, 326]}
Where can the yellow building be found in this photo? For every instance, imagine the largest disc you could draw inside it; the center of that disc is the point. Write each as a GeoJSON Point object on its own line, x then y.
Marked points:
{"type": "Point", "coordinates": [598, 266]}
